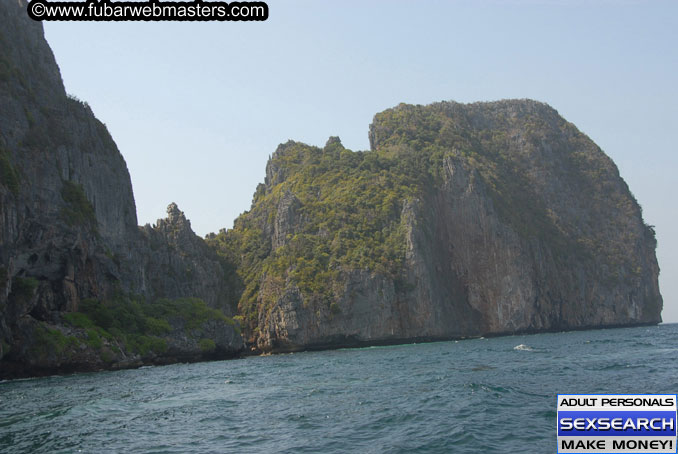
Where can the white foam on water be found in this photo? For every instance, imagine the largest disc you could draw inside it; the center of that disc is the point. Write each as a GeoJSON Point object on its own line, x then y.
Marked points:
{"type": "Point", "coordinates": [523, 347]}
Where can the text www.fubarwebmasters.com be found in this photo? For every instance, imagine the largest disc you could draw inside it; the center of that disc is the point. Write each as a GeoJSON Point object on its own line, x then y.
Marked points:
{"type": "Point", "coordinates": [151, 10]}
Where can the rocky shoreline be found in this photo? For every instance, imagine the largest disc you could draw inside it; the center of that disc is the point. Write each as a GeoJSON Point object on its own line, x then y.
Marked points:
{"type": "Point", "coordinates": [19, 371]}
{"type": "Point", "coordinates": [461, 221]}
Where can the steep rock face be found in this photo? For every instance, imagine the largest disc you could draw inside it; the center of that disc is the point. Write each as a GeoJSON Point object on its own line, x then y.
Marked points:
{"type": "Point", "coordinates": [68, 226]}
{"type": "Point", "coordinates": [463, 220]}
{"type": "Point", "coordinates": [544, 236]}
{"type": "Point", "coordinates": [175, 262]}
{"type": "Point", "coordinates": [60, 218]}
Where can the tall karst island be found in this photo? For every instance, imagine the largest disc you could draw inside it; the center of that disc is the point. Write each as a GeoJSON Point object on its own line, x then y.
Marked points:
{"type": "Point", "coordinates": [461, 220]}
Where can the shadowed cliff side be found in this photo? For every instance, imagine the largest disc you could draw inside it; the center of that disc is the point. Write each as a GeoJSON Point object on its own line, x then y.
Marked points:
{"type": "Point", "coordinates": [462, 220]}
{"type": "Point", "coordinates": [69, 234]}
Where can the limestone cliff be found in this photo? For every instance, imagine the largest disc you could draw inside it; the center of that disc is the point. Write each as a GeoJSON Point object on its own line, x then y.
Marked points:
{"type": "Point", "coordinates": [68, 227]}
{"type": "Point", "coordinates": [462, 220]}
{"type": "Point", "coordinates": [175, 262]}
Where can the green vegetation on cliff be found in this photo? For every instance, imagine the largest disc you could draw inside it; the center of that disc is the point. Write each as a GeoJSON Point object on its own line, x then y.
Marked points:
{"type": "Point", "coordinates": [328, 211]}
{"type": "Point", "coordinates": [78, 210]}
{"type": "Point", "coordinates": [8, 174]}
{"type": "Point", "coordinates": [345, 207]}
{"type": "Point", "coordinates": [23, 289]}
{"type": "Point", "coordinates": [141, 327]}
{"type": "Point", "coordinates": [49, 342]}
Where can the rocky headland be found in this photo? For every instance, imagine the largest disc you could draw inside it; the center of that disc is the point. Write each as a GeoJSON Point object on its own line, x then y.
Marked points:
{"type": "Point", "coordinates": [461, 220]}
{"type": "Point", "coordinates": [82, 287]}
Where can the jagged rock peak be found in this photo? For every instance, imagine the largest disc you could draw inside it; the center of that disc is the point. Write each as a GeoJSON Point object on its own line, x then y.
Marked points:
{"type": "Point", "coordinates": [175, 215]}
{"type": "Point", "coordinates": [332, 140]}
{"type": "Point", "coordinates": [176, 226]}
{"type": "Point", "coordinates": [274, 173]}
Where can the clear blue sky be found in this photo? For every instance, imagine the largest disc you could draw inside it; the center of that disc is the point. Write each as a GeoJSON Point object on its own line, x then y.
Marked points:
{"type": "Point", "coordinates": [197, 108]}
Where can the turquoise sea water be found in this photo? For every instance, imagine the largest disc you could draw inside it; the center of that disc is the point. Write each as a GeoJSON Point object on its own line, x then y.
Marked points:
{"type": "Point", "coordinates": [472, 396]}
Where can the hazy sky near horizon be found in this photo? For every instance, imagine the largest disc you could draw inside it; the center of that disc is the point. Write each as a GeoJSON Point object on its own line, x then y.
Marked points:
{"type": "Point", "coordinates": [197, 108]}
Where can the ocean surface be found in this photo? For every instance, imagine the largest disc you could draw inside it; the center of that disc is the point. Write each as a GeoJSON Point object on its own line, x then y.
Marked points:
{"type": "Point", "coordinates": [470, 396]}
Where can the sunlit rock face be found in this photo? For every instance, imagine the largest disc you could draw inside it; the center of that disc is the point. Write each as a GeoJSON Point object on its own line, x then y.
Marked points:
{"type": "Point", "coordinates": [462, 220]}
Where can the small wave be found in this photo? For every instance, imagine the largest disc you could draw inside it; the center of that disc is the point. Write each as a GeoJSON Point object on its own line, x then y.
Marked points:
{"type": "Point", "coordinates": [523, 347]}
{"type": "Point", "coordinates": [482, 367]}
